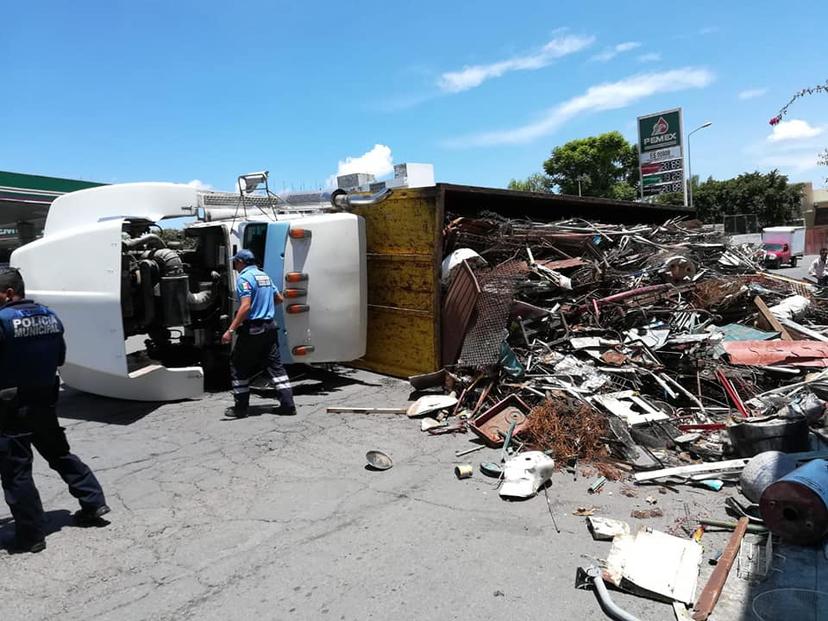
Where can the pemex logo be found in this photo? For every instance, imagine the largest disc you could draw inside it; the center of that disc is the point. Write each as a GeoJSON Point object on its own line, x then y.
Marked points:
{"type": "Point", "coordinates": [661, 127]}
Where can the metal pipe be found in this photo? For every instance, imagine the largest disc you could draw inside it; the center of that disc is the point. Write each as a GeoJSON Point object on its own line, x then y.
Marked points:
{"type": "Point", "coordinates": [612, 609]}
{"type": "Point", "coordinates": [296, 202]}
{"type": "Point", "coordinates": [342, 200]}
{"type": "Point", "coordinates": [149, 239]}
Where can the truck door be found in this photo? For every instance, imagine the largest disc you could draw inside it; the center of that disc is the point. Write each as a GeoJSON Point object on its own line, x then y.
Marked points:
{"type": "Point", "coordinates": [319, 264]}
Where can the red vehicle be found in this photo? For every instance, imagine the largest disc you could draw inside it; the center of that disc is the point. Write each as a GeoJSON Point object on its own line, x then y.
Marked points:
{"type": "Point", "coordinates": [783, 244]}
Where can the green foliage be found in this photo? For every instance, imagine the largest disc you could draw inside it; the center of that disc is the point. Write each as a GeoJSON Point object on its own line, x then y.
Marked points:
{"type": "Point", "coordinates": [607, 166]}
{"type": "Point", "coordinates": [534, 183]}
{"type": "Point", "coordinates": [176, 236]}
{"type": "Point", "coordinates": [769, 196]}
{"type": "Point", "coordinates": [671, 198]}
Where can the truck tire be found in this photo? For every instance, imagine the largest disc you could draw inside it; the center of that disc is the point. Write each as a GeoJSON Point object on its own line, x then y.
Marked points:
{"type": "Point", "coordinates": [793, 261]}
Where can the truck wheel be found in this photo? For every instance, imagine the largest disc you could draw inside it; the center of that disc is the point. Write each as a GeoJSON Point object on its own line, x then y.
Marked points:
{"type": "Point", "coordinates": [793, 261]}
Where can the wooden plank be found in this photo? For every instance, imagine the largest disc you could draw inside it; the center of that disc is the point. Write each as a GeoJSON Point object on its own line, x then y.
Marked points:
{"type": "Point", "coordinates": [713, 589]}
{"type": "Point", "coordinates": [360, 410]}
{"type": "Point", "coordinates": [771, 319]}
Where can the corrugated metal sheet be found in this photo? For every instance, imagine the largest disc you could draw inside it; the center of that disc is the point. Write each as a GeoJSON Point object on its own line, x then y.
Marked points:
{"type": "Point", "coordinates": [458, 310]}
{"type": "Point", "coordinates": [787, 353]}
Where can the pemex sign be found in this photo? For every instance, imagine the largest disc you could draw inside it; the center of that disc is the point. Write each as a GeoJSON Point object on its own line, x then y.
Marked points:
{"type": "Point", "coordinates": [661, 157]}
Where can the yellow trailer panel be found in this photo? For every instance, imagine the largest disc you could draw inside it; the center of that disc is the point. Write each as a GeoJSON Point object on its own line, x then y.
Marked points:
{"type": "Point", "coordinates": [404, 248]}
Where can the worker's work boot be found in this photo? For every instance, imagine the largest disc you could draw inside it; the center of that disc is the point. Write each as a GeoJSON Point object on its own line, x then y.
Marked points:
{"type": "Point", "coordinates": [235, 412]}
{"type": "Point", "coordinates": [27, 547]}
{"type": "Point", "coordinates": [88, 516]}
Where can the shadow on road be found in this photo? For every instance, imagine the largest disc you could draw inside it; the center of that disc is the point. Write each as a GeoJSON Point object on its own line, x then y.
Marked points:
{"type": "Point", "coordinates": [77, 405]}
{"type": "Point", "coordinates": [56, 520]}
{"type": "Point", "coordinates": [317, 381]}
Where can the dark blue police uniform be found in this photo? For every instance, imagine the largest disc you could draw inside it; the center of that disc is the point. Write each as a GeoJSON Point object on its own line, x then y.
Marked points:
{"type": "Point", "coordinates": [31, 350]}
{"type": "Point", "coordinates": [257, 343]}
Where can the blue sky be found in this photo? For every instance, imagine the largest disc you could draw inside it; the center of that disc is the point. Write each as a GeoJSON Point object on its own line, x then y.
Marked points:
{"type": "Point", "coordinates": [199, 90]}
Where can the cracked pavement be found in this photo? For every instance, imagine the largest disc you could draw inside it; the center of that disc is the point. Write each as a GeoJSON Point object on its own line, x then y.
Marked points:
{"type": "Point", "coordinates": [278, 518]}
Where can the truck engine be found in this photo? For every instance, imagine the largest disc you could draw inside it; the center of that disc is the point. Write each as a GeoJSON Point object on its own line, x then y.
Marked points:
{"type": "Point", "coordinates": [175, 294]}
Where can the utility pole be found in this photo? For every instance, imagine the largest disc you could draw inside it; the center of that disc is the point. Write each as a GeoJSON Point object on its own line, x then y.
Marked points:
{"type": "Point", "coordinates": [689, 163]}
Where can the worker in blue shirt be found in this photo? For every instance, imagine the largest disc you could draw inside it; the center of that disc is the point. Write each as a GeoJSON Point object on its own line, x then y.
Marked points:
{"type": "Point", "coordinates": [257, 337]}
{"type": "Point", "coordinates": [31, 350]}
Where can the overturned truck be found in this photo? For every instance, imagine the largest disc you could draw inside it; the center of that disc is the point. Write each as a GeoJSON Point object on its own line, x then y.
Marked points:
{"type": "Point", "coordinates": [105, 268]}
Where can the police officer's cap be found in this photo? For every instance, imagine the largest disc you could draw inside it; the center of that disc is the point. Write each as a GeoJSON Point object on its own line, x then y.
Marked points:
{"type": "Point", "coordinates": [245, 256]}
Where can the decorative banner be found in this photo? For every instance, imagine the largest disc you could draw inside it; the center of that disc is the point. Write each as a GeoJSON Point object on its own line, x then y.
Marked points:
{"type": "Point", "coordinates": [660, 154]}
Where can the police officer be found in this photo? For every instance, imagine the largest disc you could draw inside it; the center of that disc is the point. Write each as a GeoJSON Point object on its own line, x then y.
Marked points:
{"type": "Point", "coordinates": [31, 350]}
{"type": "Point", "coordinates": [257, 337]}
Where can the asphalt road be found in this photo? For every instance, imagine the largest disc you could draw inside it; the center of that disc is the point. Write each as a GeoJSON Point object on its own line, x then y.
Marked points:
{"type": "Point", "coordinates": [278, 518]}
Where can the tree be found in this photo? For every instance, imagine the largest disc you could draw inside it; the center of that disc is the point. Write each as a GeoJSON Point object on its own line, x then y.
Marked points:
{"type": "Point", "coordinates": [608, 160]}
{"type": "Point", "coordinates": [534, 183]}
{"type": "Point", "coordinates": [769, 196]}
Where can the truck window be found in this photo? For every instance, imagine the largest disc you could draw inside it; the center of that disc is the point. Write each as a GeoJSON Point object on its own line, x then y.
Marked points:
{"type": "Point", "coordinates": [255, 238]}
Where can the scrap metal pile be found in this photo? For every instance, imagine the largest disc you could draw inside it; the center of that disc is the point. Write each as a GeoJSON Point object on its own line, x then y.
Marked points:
{"type": "Point", "coordinates": [656, 353]}
{"type": "Point", "coordinates": [635, 349]}
{"type": "Point", "coordinates": [627, 347]}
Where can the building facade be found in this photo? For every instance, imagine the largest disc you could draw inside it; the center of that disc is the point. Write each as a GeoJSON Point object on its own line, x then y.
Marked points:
{"type": "Point", "coordinates": [24, 204]}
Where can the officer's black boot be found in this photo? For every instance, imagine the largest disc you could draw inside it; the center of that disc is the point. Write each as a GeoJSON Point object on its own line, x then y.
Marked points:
{"type": "Point", "coordinates": [240, 409]}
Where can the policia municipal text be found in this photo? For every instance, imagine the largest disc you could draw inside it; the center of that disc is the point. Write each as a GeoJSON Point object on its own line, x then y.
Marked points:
{"type": "Point", "coordinates": [31, 350]}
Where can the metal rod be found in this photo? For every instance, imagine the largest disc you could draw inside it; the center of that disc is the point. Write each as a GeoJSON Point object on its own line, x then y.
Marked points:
{"type": "Point", "coordinates": [549, 506]}
{"type": "Point", "coordinates": [467, 451]}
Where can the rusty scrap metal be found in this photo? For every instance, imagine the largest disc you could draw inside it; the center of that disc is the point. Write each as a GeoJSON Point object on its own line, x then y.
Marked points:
{"type": "Point", "coordinates": [715, 584]}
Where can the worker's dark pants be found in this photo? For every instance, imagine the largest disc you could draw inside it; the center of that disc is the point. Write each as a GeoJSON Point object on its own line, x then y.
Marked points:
{"type": "Point", "coordinates": [49, 438]}
{"type": "Point", "coordinates": [16, 477]}
{"type": "Point", "coordinates": [257, 349]}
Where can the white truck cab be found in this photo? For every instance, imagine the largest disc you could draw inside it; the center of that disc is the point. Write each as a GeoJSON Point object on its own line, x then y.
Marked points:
{"type": "Point", "coordinates": [102, 266]}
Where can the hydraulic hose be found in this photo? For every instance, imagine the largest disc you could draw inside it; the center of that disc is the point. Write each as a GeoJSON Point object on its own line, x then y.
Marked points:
{"type": "Point", "coordinates": [149, 239]}
{"type": "Point", "coordinates": [612, 609]}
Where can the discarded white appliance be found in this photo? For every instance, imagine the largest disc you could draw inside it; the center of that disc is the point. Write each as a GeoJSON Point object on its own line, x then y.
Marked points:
{"type": "Point", "coordinates": [455, 260]}
{"type": "Point", "coordinates": [431, 403]}
{"type": "Point", "coordinates": [109, 275]}
{"type": "Point", "coordinates": [526, 473]}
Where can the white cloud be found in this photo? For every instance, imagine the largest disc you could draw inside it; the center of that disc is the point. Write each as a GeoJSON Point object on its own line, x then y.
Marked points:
{"type": "Point", "coordinates": [708, 30]}
{"type": "Point", "coordinates": [612, 52]}
{"type": "Point", "coordinates": [752, 93]}
{"type": "Point", "coordinates": [791, 162]}
{"type": "Point", "coordinates": [377, 161]}
{"type": "Point", "coordinates": [795, 129]}
{"type": "Point", "coordinates": [609, 96]}
{"type": "Point", "coordinates": [198, 184]}
{"type": "Point", "coordinates": [652, 57]}
{"type": "Point", "coordinates": [472, 76]}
